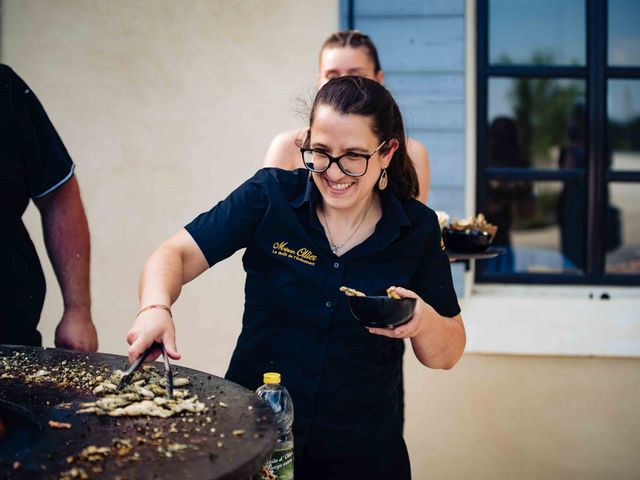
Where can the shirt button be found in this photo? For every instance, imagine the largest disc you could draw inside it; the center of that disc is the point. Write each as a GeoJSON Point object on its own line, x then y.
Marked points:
{"type": "Point", "coordinates": [336, 265]}
{"type": "Point", "coordinates": [328, 304]}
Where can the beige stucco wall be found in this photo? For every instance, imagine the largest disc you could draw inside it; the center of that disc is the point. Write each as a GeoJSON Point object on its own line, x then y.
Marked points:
{"type": "Point", "coordinates": [166, 106]}
{"type": "Point", "coordinates": [507, 417]}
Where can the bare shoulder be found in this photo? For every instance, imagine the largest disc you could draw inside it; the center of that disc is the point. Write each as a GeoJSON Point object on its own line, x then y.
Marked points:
{"type": "Point", "coordinates": [417, 151]}
{"type": "Point", "coordinates": [420, 157]}
{"type": "Point", "coordinates": [284, 151]}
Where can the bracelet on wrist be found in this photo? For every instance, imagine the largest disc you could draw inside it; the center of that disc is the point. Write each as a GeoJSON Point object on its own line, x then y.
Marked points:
{"type": "Point", "coordinates": [149, 307]}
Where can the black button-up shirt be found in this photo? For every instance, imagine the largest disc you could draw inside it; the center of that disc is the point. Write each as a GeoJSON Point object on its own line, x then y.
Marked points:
{"type": "Point", "coordinates": [343, 379]}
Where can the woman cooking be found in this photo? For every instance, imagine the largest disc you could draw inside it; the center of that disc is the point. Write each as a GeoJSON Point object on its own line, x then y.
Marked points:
{"type": "Point", "coordinates": [349, 219]}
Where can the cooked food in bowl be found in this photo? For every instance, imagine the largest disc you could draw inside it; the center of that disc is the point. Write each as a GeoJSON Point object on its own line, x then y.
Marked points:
{"type": "Point", "coordinates": [470, 235]}
{"type": "Point", "coordinates": [443, 218]}
{"type": "Point", "coordinates": [379, 311]}
{"type": "Point", "coordinates": [351, 292]}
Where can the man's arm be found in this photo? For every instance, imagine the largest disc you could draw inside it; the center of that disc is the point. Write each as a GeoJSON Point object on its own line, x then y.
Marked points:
{"type": "Point", "coordinates": [66, 236]}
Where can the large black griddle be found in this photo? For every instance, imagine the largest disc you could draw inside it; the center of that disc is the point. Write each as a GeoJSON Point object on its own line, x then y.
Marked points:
{"type": "Point", "coordinates": [30, 448]}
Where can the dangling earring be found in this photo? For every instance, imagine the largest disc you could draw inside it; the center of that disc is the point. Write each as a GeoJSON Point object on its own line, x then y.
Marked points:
{"type": "Point", "coordinates": [384, 180]}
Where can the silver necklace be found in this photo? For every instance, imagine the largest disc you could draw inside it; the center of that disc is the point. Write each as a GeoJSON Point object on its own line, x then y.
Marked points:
{"type": "Point", "coordinates": [337, 246]}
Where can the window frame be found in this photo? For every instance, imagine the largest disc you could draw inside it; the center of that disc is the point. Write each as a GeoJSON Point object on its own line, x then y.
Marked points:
{"type": "Point", "coordinates": [595, 73]}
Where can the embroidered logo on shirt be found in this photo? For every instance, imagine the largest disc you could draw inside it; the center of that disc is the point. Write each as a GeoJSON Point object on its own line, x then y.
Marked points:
{"type": "Point", "coordinates": [303, 255]}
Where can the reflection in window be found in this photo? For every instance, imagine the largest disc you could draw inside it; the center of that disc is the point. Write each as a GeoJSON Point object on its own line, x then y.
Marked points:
{"type": "Point", "coordinates": [624, 21]}
{"type": "Point", "coordinates": [622, 229]}
{"type": "Point", "coordinates": [623, 106]}
{"type": "Point", "coordinates": [541, 225]}
{"type": "Point", "coordinates": [550, 32]}
{"type": "Point", "coordinates": [548, 114]}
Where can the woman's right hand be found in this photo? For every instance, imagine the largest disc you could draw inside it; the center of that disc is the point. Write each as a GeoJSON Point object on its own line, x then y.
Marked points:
{"type": "Point", "coordinates": [176, 262]}
{"type": "Point", "coordinates": [153, 325]}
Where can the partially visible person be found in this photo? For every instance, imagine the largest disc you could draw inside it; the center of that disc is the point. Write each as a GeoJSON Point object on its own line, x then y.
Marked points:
{"type": "Point", "coordinates": [505, 199]}
{"type": "Point", "coordinates": [348, 52]}
{"type": "Point", "coordinates": [572, 205]}
{"type": "Point", "coordinates": [34, 164]}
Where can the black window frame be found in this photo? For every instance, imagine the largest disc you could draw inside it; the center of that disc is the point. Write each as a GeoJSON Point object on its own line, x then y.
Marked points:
{"type": "Point", "coordinates": [595, 73]}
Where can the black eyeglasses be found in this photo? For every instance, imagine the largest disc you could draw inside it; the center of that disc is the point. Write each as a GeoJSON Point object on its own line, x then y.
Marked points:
{"type": "Point", "coordinates": [350, 163]}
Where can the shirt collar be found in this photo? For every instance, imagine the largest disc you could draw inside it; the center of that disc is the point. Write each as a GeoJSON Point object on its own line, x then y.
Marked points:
{"type": "Point", "coordinates": [390, 203]}
{"type": "Point", "coordinates": [394, 217]}
{"type": "Point", "coordinates": [310, 192]}
{"type": "Point", "coordinates": [393, 209]}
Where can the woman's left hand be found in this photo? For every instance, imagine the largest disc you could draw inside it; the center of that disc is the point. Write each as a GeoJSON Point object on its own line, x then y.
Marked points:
{"type": "Point", "coordinates": [414, 326]}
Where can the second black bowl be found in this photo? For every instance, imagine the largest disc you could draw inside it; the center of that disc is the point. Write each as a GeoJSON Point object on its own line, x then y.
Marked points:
{"type": "Point", "coordinates": [382, 312]}
{"type": "Point", "coordinates": [466, 241]}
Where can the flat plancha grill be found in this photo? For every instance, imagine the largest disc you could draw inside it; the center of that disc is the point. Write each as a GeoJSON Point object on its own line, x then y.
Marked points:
{"type": "Point", "coordinates": [41, 436]}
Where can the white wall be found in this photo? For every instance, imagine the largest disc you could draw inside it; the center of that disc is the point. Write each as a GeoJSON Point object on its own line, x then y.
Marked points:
{"type": "Point", "coordinates": [165, 107]}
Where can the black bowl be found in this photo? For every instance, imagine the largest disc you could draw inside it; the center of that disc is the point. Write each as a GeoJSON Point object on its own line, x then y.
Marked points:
{"type": "Point", "coordinates": [382, 312]}
{"type": "Point", "coordinates": [466, 241]}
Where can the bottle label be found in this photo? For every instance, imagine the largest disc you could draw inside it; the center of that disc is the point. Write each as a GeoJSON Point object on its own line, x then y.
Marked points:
{"type": "Point", "coordinates": [278, 467]}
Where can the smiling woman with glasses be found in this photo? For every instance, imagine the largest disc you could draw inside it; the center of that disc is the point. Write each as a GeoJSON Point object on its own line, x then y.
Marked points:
{"type": "Point", "coordinates": [350, 219]}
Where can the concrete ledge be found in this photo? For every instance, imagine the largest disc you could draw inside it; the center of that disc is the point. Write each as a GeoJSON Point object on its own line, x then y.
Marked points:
{"type": "Point", "coordinates": [574, 321]}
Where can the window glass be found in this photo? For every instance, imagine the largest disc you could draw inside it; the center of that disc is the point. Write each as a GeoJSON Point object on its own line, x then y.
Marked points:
{"type": "Point", "coordinates": [539, 32]}
{"type": "Point", "coordinates": [537, 123]}
{"type": "Point", "coordinates": [622, 229]}
{"type": "Point", "coordinates": [623, 107]}
{"type": "Point", "coordinates": [624, 33]}
{"type": "Point", "coordinates": [541, 226]}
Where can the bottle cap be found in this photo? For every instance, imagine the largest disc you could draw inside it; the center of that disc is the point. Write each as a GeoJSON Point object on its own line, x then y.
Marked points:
{"type": "Point", "coordinates": [271, 377]}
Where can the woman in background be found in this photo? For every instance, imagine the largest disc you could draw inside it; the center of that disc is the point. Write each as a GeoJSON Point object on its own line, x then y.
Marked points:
{"type": "Point", "coordinates": [348, 52]}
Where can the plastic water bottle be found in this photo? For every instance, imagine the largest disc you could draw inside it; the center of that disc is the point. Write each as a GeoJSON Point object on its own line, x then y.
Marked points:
{"type": "Point", "coordinates": [280, 465]}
